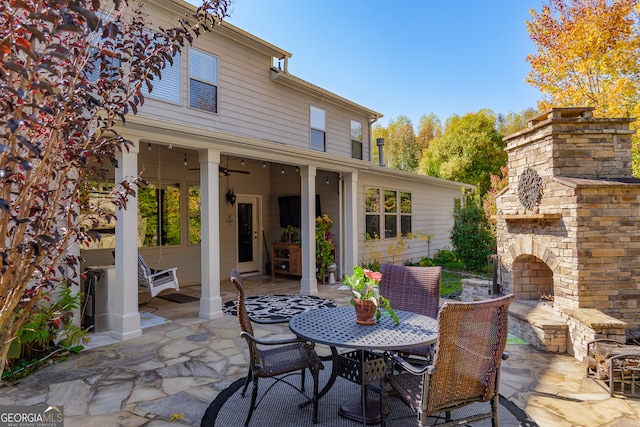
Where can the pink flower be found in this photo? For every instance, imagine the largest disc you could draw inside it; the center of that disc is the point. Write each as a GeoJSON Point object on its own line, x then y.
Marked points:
{"type": "Point", "coordinates": [373, 275]}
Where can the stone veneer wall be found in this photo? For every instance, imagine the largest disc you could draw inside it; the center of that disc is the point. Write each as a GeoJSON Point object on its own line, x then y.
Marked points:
{"type": "Point", "coordinates": [586, 227]}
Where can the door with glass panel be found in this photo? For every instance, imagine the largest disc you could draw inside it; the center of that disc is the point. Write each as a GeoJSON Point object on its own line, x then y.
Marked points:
{"type": "Point", "coordinates": [248, 233]}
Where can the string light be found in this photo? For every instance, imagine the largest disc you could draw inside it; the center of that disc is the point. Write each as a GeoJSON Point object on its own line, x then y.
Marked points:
{"type": "Point", "coordinates": [242, 162]}
{"type": "Point", "coordinates": [264, 165]}
{"type": "Point", "coordinates": [282, 171]}
{"type": "Point", "coordinates": [149, 146]}
{"type": "Point", "coordinates": [185, 160]}
{"type": "Point", "coordinates": [327, 181]}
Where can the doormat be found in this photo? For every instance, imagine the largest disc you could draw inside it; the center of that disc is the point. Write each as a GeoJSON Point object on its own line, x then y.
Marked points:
{"type": "Point", "coordinates": [179, 298]}
{"type": "Point", "coordinates": [277, 308]}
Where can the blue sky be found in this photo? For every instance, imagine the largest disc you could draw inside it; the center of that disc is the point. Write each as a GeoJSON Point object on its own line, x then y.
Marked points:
{"type": "Point", "coordinates": [408, 57]}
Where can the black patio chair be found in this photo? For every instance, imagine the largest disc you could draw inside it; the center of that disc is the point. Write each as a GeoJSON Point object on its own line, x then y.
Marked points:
{"type": "Point", "coordinates": [277, 359]}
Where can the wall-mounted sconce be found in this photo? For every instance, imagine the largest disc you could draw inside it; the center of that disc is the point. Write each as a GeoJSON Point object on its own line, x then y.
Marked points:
{"type": "Point", "coordinates": [264, 164]}
{"type": "Point", "coordinates": [297, 169]}
{"type": "Point", "coordinates": [282, 171]}
{"type": "Point", "coordinates": [231, 197]}
{"type": "Point", "coordinates": [185, 160]}
{"type": "Point", "coordinates": [149, 146]}
{"type": "Point", "coordinates": [242, 162]}
{"type": "Point", "coordinates": [327, 181]}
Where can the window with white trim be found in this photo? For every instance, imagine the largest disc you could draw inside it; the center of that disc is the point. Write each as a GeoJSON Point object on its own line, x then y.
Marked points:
{"type": "Point", "coordinates": [318, 119]}
{"type": "Point", "coordinates": [167, 87]}
{"type": "Point", "coordinates": [381, 207]}
{"type": "Point", "coordinates": [203, 81]}
{"type": "Point", "coordinates": [356, 139]}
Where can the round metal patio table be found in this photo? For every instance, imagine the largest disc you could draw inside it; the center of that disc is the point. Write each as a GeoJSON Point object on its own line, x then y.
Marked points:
{"type": "Point", "coordinates": [337, 327]}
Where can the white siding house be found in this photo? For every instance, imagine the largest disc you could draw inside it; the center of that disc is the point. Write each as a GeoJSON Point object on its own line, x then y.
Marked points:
{"type": "Point", "coordinates": [229, 116]}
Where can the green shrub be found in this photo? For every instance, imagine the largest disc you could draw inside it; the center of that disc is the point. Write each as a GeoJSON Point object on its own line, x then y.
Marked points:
{"type": "Point", "coordinates": [471, 235]}
{"type": "Point", "coordinates": [444, 256]}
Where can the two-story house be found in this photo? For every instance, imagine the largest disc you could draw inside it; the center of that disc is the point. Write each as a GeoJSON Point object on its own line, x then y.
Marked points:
{"type": "Point", "coordinates": [235, 148]}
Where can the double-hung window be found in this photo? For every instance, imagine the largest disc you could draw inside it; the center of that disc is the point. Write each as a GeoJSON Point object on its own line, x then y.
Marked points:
{"type": "Point", "coordinates": [167, 87]}
{"type": "Point", "coordinates": [356, 140]}
{"type": "Point", "coordinates": [203, 81]}
{"type": "Point", "coordinates": [318, 128]}
{"type": "Point", "coordinates": [382, 207]}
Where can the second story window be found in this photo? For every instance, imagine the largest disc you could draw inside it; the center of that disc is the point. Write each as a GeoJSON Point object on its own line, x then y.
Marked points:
{"type": "Point", "coordinates": [167, 88]}
{"type": "Point", "coordinates": [356, 140]}
{"type": "Point", "coordinates": [318, 129]}
{"type": "Point", "coordinates": [203, 81]}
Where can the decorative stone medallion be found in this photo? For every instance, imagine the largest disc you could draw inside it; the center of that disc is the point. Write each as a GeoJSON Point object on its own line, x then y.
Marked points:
{"type": "Point", "coordinates": [530, 188]}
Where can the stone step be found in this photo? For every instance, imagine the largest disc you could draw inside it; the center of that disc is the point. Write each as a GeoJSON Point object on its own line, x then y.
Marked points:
{"type": "Point", "coordinates": [539, 325]}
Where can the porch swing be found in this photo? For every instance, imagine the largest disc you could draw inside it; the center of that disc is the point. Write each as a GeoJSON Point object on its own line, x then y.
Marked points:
{"type": "Point", "coordinates": [152, 280]}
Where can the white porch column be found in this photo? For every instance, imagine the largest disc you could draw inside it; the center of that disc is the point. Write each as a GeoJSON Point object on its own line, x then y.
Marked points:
{"type": "Point", "coordinates": [125, 320]}
{"type": "Point", "coordinates": [210, 301]}
{"type": "Point", "coordinates": [308, 283]}
{"type": "Point", "coordinates": [350, 255]}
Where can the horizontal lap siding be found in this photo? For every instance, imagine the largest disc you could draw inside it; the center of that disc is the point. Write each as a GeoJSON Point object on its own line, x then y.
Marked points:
{"type": "Point", "coordinates": [432, 208]}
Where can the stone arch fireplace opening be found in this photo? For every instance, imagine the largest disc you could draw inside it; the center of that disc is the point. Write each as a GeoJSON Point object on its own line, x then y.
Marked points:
{"type": "Point", "coordinates": [532, 279]}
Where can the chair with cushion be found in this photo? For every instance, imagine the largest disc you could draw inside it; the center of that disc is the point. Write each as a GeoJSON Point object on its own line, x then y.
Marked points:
{"type": "Point", "coordinates": [277, 359]}
{"type": "Point", "coordinates": [155, 281]}
{"type": "Point", "coordinates": [466, 369]}
{"type": "Point", "coordinates": [414, 289]}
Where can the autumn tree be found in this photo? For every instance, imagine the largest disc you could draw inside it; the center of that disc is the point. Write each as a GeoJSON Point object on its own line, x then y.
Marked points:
{"type": "Point", "coordinates": [429, 128]}
{"type": "Point", "coordinates": [400, 149]}
{"type": "Point", "coordinates": [514, 122]}
{"type": "Point", "coordinates": [469, 150]}
{"type": "Point", "coordinates": [70, 70]}
{"type": "Point", "coordinates": [588, 54]}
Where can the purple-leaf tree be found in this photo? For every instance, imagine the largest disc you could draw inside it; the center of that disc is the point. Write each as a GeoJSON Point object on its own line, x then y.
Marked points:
{"type": "Point", "coordinates": [70, 71]}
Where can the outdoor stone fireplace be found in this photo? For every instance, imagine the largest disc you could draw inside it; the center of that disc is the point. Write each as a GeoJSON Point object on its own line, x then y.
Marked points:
{"type": "Point", "coordinates": [569, 231]}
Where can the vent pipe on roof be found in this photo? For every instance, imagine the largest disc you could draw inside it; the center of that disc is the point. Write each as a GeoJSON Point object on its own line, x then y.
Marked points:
{"type": "Point", "coordinates": [380, 144]}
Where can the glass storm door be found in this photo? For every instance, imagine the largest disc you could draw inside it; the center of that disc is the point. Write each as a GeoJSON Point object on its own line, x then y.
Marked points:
{"type": "Point", "coordinates": [248, 236]}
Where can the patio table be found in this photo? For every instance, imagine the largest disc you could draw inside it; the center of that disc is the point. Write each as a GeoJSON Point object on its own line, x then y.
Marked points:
{"type": "Point", "coordinates": [336, 327]}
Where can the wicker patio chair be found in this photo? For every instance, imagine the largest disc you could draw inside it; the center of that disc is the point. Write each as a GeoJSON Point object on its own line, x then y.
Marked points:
{"type": "Point", "coordinates": [414, 289]}
{"type": "Point", "coordinates": [277, 359]}
{"type": "Point", "coordinates": [466, 368]}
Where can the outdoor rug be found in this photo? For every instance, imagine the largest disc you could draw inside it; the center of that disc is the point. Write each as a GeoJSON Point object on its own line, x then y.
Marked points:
{"type": "Point", "coordinates": [280, 407]}
{"type": "Point", "coordinates": [179, 298]}
{"type": "Point", "coordinates": [277, 308]}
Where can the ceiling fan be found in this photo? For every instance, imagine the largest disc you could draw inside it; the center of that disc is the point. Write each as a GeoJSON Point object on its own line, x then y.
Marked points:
{"type": "Point", "coordinates": [224, 170]}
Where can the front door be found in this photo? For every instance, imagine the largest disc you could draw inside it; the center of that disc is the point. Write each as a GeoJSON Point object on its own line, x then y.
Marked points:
{"type": "Point", "coordinates": [248, 234]}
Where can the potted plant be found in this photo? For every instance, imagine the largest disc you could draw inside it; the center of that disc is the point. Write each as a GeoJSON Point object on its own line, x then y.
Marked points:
{"type": "Point", "coordinates": [290, 234]}
{"type": "Point", "coordinates": [324, 255]}
{"type": "Point", "coordinates": [365, 289]}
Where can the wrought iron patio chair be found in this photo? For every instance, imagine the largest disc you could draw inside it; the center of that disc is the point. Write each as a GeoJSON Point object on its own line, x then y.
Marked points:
{"type": "Point", "coordinates": [414, 289]}
{"type": "Point", "coordinates": [155, 281]}
{"type": "Point", "coordinates": [466, 368]}
{"type": "Point", "coordinates": [277, 359]}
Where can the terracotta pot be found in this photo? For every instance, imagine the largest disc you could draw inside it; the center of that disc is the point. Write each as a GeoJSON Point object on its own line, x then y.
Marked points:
{"type": "Point", "coordinates": [365, 311]}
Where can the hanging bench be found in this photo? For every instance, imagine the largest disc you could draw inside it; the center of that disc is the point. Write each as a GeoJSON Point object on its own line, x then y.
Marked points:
{"type": "Point", "coordinates": [155, 281]}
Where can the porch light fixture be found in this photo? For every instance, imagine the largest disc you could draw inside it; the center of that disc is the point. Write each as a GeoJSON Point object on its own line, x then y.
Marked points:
{"type": "Point", "coordinates": [185, 160]}
{"type": "Point", "coordinates": [264, 164]}
{"type": "Point", "coordinates": [149, 146]}
{"type": "Point", "coordinates": [327, 181]}
{"type": "Point", "coordinates": [297, 169]}
{"type": "Point", "coordinates": [282, 171]}
{"type": "Point", "coordinates": [242, 162]}
{"type": "Point", "coordinates": [231, 197]}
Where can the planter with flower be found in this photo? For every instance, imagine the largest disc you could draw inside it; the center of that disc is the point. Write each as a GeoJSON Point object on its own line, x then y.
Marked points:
{"type": "Point", "coordinates": [369, 304]}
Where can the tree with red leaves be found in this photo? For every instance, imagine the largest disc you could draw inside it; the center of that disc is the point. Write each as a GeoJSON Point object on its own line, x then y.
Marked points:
{"type": "Point", "coordinates": [70, 71]}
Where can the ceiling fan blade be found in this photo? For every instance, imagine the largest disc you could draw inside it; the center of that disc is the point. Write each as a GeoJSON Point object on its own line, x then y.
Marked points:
{"type": "Point", "coordinates": [227, 171]}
